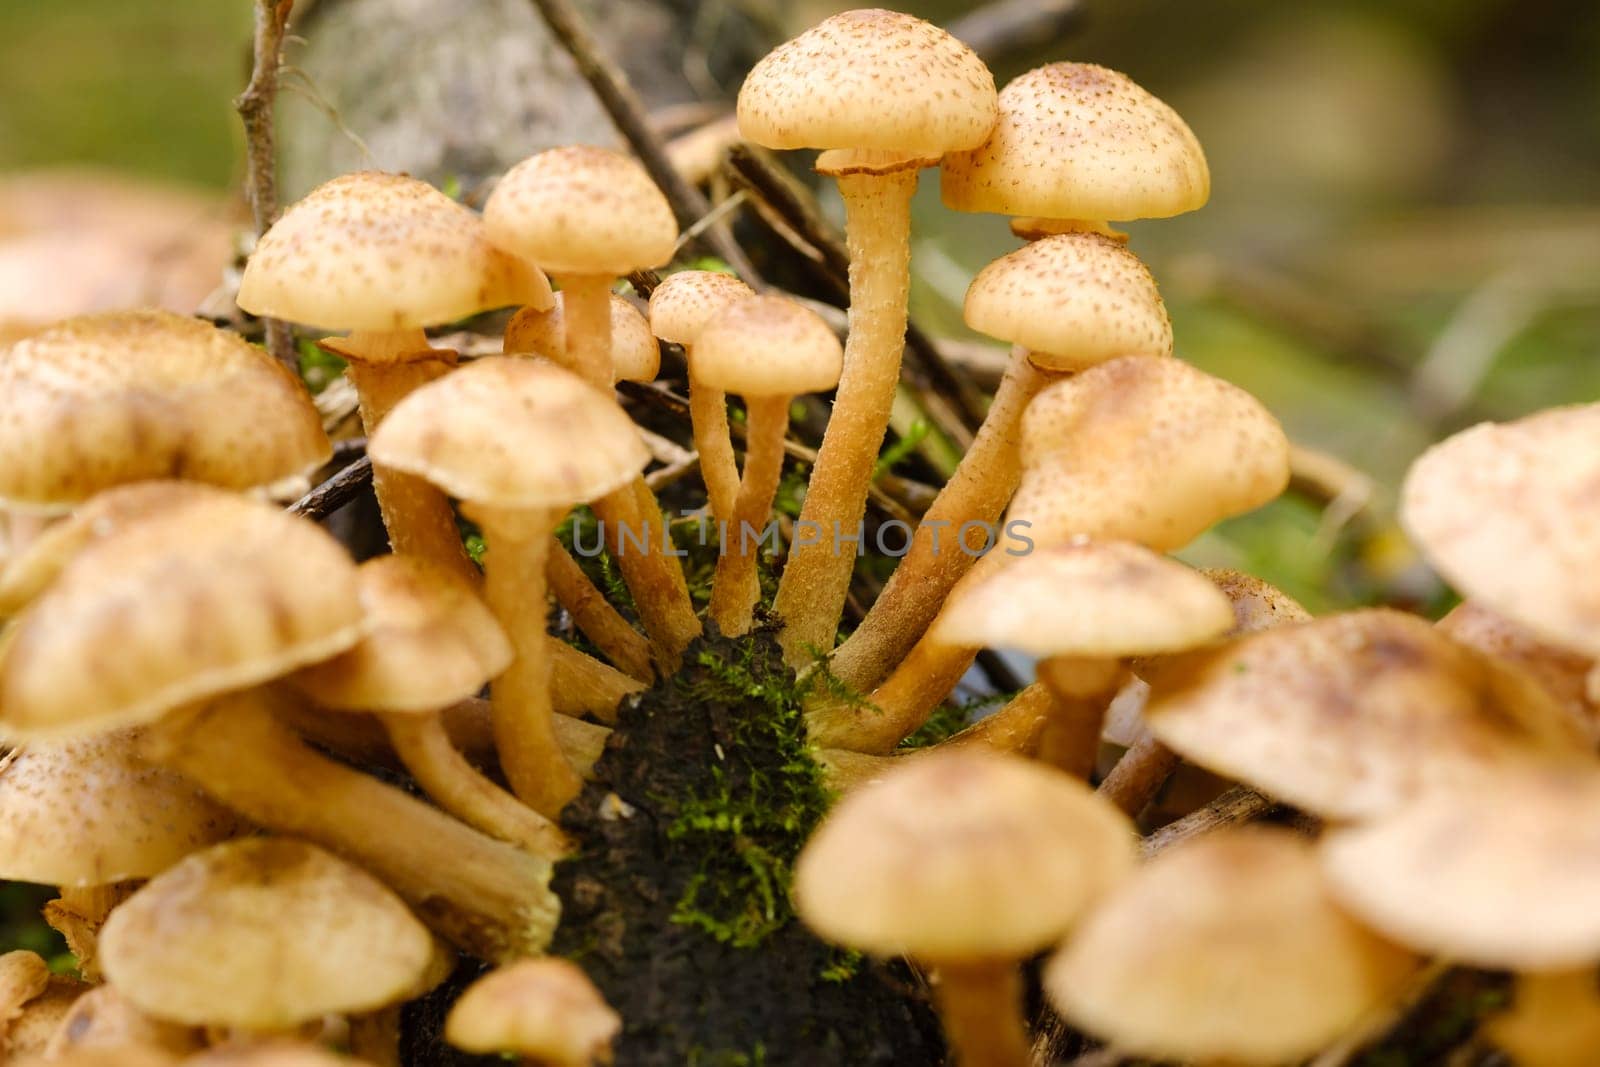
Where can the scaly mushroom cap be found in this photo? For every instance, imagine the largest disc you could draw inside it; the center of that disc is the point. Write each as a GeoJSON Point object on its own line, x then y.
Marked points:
{"type": "Point", "coordinates": [635, 356]}
{"type": "Point", "coordinates": [431, 642]}
{"type": "Point", "coordinates": [961, 855]}
{"type": "Point", "coordinates": [870, 79]}
{"type": "Point", "coordinates": [87, 812]}
{"type": "Point", "coordinates": [1225, 948]}
{"type": "Point", "coordinates": [102, 400]}
{"type": "Point", "coordinates": [1347, 716]}
{"type": "Point", "coordinates": [512, 433]}
{"type": "Point", "coordinates": [1508, 514]}
{"type": "Point", "coordinates": [1257, 604]}
{"type": "Point", "coordinates": [582, 210]}
{"type": "Point", "coordinates": [768, 346]}
{"type": "Point", "coordinates": [1101, 599]}
{"type": "Point", "coordinates": [263, 934]}
{"type": "Point", "coordinates": [1502, 873]}
{"type": "Point", "coordinates": [1145, 450]}
{"type": "Point", "coordinates": [684, 302]}
{"type": "Point", "coordinates": [172, 609]}
{"type": "Point", "coordinates": [1077, 141]}
{"type": "Point", "coordinates": [543, 1010]}
{"type": "Point", "coordinates": [373, 251]}
{"type": "Point", "coordinates": [1562, 673]}
{"type": "Point", "coordinates": [1072, 301]}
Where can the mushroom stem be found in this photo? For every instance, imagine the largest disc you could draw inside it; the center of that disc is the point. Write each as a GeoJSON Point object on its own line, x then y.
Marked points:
{"type": "Point", "coordinates": [980, 1005]}
{"type": "Point", "coordinates": [1017, 727]}
{"type": "Point", "coordinates": [736, 588]}
{"type": "Point", "coordinates": [517, 543]}
{"type": "Point", "coordinates": [424, 747]}
{"type": "Point", "coordinates": [812, 592]}
{"type": "Point", "coordinates": [708, 414]}
{"type": "Point", "coordinates": [1082, 687]}
{"type": "Point", "coordinates": [586, 314]}
{"type": "Point", "coordinates": [582, 685]}
{"type": "Point", "coordinates": [977, 492]}
{"type": "Point", "coordinates": [593, 614]}
{"type": "Point", "coordinates": [1139, 775]}
{"type": "Point", "coordinates": [635, 535]}
{"type": "Point", "coordinates": [483, 895]}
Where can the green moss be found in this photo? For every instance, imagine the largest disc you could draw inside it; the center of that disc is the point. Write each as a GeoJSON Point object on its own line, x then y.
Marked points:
{"type": "Point", "coordinates": [318, 367]}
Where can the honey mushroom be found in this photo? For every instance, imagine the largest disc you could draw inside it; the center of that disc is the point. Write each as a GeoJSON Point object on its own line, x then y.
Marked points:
{"type": "Point", "coordinates": [1558, 671]}
{"type": "Point", "coordinates": [383, 256]}
{"type": "Point", "coordinates": [103, 1018]}
{"type": "Point", "coordinates": [542, 1012]}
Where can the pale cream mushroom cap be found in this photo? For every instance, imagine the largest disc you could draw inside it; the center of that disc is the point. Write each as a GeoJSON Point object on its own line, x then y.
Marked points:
{"type": "Point", "coordinates": [31, 1031]}
{"type": "Point", "coordinates": [1257, 604]}
{"type": "Point", "coordinates": [1562, 673]}
{"type": "Point", "coordinates": [961, 855]}
{"type": "Point", "coordinates": [582, 210]}
{"type": "Point", "coordinates": [374, 251]}
{"type": "Point", "coordinates": [269, 1054]}
{"type": "Point", "coordinates": [1072, 301]}
{"type": "Point", "coordinates": [870, 79]}
{"type": "Point", "coordinates": [1226, 948]}
{"type": "Point", "coordinates": [23, 976]}
{"type": "Point", "coordinates": [545, 1011]}
{"type": "Point", "coordinates": [635, 356]}
{"type": "Point", "coordinates": [263, 934]}
{"type": "Point", "coordinates": [1078, 141]}
{"type": "Point", "coordinates": [685, 301]}
{"type": "Point", "coordinates": [103, 400]}
{"type": "Point", "coordinates": [513, 433]}
{"type": "Point", "coordinates": [768, 346]}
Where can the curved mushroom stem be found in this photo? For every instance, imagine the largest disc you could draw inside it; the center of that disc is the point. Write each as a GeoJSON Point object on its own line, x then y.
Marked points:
{"type": "Point", "coordinates": [980, 1005]}
{"type": "Point", "coordinates": [635, 536]}
{"type": "Point", "coordinates": [445, 775]}
{"type": "Point", "coordinates": [1016, 727]}
{"type": "Point", "coordinates": [586, 318]}
{"type": "Point", "coordinates": [736, 588]}
{"type": "Point", "coordinates": [585, 686]}
{"type": "Point", "coordinates": [977, 492]}
{"type": "Point", "coordinates": [1083, 687]}
{"type": "Point", "coordinates": [77, 915]}
{"type": "Point", "coordinates": [1139, 775]}
{"type": "Point", "coordinates": [517, 541]}
{"type": "Point", "coordinates": [708, 414]}
{"type": "Point", "coordinates": [816, 579]}
{"type": "Point", "coordinates": [593, 614]}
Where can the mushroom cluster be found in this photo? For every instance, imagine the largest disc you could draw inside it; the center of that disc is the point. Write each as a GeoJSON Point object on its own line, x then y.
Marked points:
{"type": "Point", "coordinates": [282, 794]}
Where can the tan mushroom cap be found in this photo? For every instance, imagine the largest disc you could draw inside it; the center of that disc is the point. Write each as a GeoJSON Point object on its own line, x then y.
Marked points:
{"type": "Point", "coordinates": [1226, 948]}
{"type": "Point", "coordinates": [127, 1056]}
{"type": "Point", "coordinates": [1072, 301]}
{"type": "Point", "coordinates": [431, 642]}
{"type": "Point", "coordinates": [1348, 716]}
{"type": "Point", "coordinates": [1502, 873]}
{"type": "Point", "coordinates": [582, 210]}
{"type": "Point", "coordinates": [635, 356]}
{"type": "Point", "coordinates": [172, 609]}
{"type": "Point", "coordinates": [1257, 604]}
{"type": "Point", "coordinates": [270, 1054]}
{"type": "Point", "coordinates": [102, 400]}
{"type": "Point", "coordinates": [961, 855]}
{"type": "Point", "coordinates": [685, 301]}
{"type": "Point", "coordinates": [870, 79]}
{"type": "Point", "coordinates": [31, 1032]}
{"type": "Point", "coordinates": [1077, 141]}
{"type": "Point", "coordinates": [1509, 514]}
{"type": "Point", "coordinates": [1087, 598]}
{"type": "Point", "coordinates": [263, 934]}
{"type": "Point", "coordinates": [23, 976]}
{"type": "Point", "coordinates": [373, 251]}
{"type": "Point", "coordinates": [768, 346]}
{"type": "Point", "coordinates": [512, 433]}
{"type": "Point", "coordinates": [1145, 450]}
{"type": "Point", "coordinates": [1562, 673]}
{"type": "Point", "coordinates": [87, 812]}
{"type": "Point", "coordinates": [545, 1010]}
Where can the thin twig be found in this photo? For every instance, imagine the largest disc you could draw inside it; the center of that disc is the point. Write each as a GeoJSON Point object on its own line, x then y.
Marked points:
{"type": "Point", "coordinates": [255, 106]}
{"type": "Point", "coordinates": [336, 492]}
{"type": "Point", "coordinates": [1240, 804]}
{"type": "Point", "coordinates": [1004, 27]}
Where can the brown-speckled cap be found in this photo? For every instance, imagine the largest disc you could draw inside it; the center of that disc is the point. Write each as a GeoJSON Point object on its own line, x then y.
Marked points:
{"type": "Point", "coordinates": [685, 301]}
{"type": "Point", "coordinates": [545, 1011]}
{"type": "Point", "coordinates": [635, 356]}
{"type": "Point", "coordinates": [768, 346]}
{"type": "Point", "coordinates": [1078, 141]}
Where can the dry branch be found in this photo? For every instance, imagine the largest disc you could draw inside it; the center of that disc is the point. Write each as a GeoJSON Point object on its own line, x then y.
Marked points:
{"type": "Point", "coordinates": [256, 107]}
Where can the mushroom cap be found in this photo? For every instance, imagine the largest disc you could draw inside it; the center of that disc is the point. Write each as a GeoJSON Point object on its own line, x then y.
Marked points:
{"type": "Point", "coordinates": [582, 210]}
{"type": "Point", "coordinates": [23, 976]}
{"type": "Point", "coordinates": [635, 356]}
{"type": "Point", "coordinates": [1561, 672]}
{"type": "Point", "coordinates": [545, 1010]}
{"type": "Point", "coordinates": [268, 1054]}
{"type": "Point", "coordinates": [88, 812]}
{"type": "Point", "coordinates": [121, 1056]}
{"type": "Point", "coordinates": [1228, 947]}
{"type": "Point", "coordinates": [1101, 599]}
{"type": "Point", "coordinates": [264, 934]}
{"type": "Point", "coordinates": [431, 642]}
{"type": "Point", "coordinates": [503, 431]}
{"type": "Point", "coordinates": [374, 251]}
{"type": "Point", "coordinates": [685, 301]}
{"type": "Point", "coordinates": [870, 79]}
{"type": "Point", "coordinates": [959, 855]}
{"type": "Point", "coordinates": [174, 608]}
{"type": "Point", "coordinates": [1077, 141]}
{"type": "Point", "coordinates": [30, 1033]}
{"type": "Point", "coordinates": [1510, 516]}
{"type": "Point", "coordinates": [1073, 301]}
{"type": "Point", "coordinates": [768, 346]}
{"type": "Point", "coordinates": [1502, 873]}
{"type": "Point", "coordinates": [1347, 716]}
{"type": "Point", "coordinates": [1145, 450]}
{"type": "Point", "coordinates": [124, 396]}
{"type": "Point", "coordinates": [1257, 604]}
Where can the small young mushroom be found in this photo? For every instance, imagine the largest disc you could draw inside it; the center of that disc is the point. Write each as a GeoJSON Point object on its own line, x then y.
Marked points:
{"type": "Point", "coordinates": [767, 349]}
{"type": "Point", "coordinates": [1226, 949]}
{"type": "Point", "coordinates": [543, 1011]}
{"type": "Point", "coordinates": [498, 435]}
{"type": "Point", "coordinates": [967, 862]}
{"type": "Point", "coordinates": [886, 94]}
